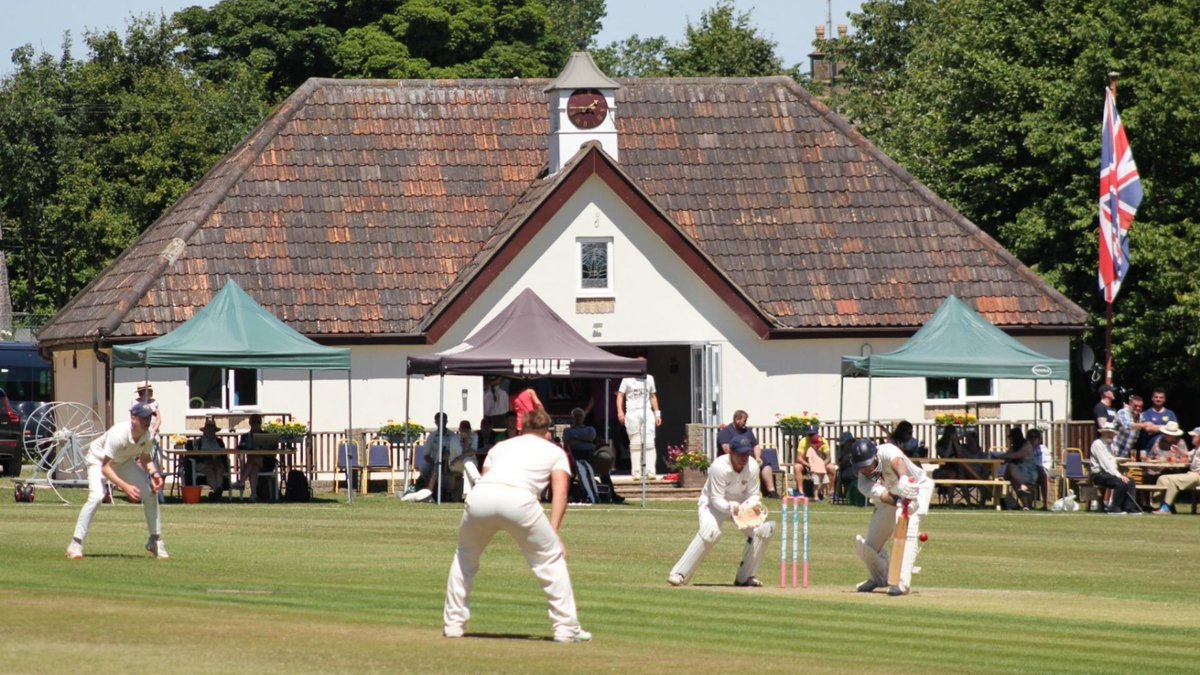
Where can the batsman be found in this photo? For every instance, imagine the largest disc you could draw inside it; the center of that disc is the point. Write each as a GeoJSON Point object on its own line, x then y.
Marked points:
{"type": "Point", "coordinates": [730, 493]}
{"type": "Point", "coordinates": [900, 492]}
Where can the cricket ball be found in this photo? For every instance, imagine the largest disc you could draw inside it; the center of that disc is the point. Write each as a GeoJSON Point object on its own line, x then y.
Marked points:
{"type": "Point", "coordinates": [923, 537]}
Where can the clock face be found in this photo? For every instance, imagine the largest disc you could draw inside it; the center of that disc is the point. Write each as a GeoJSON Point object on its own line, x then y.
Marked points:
{"type": "Point", "coordinates": [586, 108]}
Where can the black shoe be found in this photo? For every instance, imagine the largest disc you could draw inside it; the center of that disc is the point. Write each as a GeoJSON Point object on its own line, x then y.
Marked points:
{"type": "Point", "coordinates": [772, 495]}
{"type": "Point", "coordinates": [618, 499]}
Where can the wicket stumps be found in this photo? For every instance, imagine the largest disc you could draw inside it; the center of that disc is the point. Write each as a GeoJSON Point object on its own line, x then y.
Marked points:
{"type": "Point", "coordinates": [790, 513]}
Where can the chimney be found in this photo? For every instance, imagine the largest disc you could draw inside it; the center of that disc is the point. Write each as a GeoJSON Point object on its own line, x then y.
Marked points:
{"type": "Point", "coordinates": [819, 67]}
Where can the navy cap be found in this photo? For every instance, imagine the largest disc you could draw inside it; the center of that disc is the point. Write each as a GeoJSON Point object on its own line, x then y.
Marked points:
{"type": "Point", "coordinates": [139, 409]}
{"type": "Point", "coordinates": [742, 445]}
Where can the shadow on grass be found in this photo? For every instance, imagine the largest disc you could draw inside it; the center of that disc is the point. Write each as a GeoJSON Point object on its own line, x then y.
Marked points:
{"type": "Point", "coordinates": [509, 636]}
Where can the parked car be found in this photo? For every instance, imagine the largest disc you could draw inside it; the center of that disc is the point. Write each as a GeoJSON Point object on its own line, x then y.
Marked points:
{"type": "Point", "coordinates": [12, 444]}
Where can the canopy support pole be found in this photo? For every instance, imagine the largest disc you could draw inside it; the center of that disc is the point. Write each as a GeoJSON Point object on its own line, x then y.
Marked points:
{"type": "Point", "coordinates": [405, 444]}
{"type": "Point", "coordinates": [441, 425]}
{"type": "Point", "coordinates": [308, 461]}
{"type": "Point", "coordinates": [645, 422]}
{"type": "Point", "coordinates": [349, 439]}
{"type": "Point", "coordinates": [870, 385]}
{"type": "Point", "coordinates": [833, 453]}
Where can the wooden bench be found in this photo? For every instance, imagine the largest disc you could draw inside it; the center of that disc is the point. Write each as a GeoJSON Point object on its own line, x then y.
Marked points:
{"type": "Point", "coordinates": [1149, 490]}
{"type": "Point", "coordinates": [999, 487]}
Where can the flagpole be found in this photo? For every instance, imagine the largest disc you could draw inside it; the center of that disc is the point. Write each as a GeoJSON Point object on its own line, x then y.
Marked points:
{"type": "Point", "coordinates": [1108, 297]}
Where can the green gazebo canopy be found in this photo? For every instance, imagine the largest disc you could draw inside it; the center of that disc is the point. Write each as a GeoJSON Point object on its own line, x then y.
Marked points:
{"type": "Point", "coordinates": [233, 331]}
{"type": "Point", "coordinates": [957, 342]}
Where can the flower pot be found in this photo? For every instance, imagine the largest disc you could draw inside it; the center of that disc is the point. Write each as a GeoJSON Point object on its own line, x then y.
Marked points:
{"type": "Point", "coordinates": [689, 477]}
{"type": "Point", "coordinates": [191, 494]}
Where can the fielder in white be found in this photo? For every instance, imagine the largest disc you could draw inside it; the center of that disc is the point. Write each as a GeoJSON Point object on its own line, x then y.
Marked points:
{"type": "Point", "coordinates": [887, 477]}
{"type": "Point", "coordinates": [506, 498]}
{"type": "Point", "coordinates": [635, 412]}
{"type": "Point", "coordinates": [732, 486]}
{"type": "Point", "coordinates": [114, 456]}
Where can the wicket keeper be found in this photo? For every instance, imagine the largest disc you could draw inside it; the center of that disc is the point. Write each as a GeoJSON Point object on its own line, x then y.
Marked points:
{"type": "Point", "coordinates": [732, 485]}
{"type": "Point", "coordinates": [888, 478]}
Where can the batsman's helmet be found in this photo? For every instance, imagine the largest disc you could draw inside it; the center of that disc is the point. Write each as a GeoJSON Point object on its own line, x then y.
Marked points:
{"type": "Point", "coordinates": [862, 453]}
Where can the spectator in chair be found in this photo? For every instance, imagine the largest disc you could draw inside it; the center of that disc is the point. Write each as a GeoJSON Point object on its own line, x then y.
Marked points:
{"type": "Point", "coordinates": [1106, 475]}
{"type": "Point", "coordinates": [464, 449]}
{"type": "Point", "coordinates": [216, 467]}
{"type": "Point", "coordinates": [1020, 468]}
{"type": "Point", "coordinates": [579, 440]}
{"type": "Point", "coordinates": [809, 458]}
{"type": "Point", "coordinates": [437, 443]}
{"type": "Point", "coordinates": [902, 437]}
{"type": "Point", "coordinates": [1043, 458]}
{"type": "Point", "coordinates": [738, 430]}
{"type": "Point", "coordinates": [1174, 483]}
{"type": "Point", "coordinates": [254, 464]}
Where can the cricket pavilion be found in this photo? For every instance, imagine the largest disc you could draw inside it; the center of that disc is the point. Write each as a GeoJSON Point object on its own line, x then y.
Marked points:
{"type": "Point", "coordinates": [734, 231]}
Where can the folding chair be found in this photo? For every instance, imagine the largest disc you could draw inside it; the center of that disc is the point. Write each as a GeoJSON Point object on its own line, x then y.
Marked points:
{"type": "Point", "coordinates": [379, 458]}
{"type": "Point", "coordinates": [347, 462]}
{"type": "Point", "coordinates": [1073, 472]}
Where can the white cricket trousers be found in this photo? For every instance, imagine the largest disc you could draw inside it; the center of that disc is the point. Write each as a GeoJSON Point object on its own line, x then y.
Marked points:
{"type": "Point", "coordinates": [492, 507]}
{"type": "Point", "coordinates": [129, 472]}
{"type": "Point", "coordinates": [635, 419]}
{"type": "Point", "coordinates": [881, 529]}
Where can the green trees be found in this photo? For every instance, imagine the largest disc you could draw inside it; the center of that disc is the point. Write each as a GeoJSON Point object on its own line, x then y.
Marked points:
{"type": "Point", "coordinates": [997, 106]}
{"type": "Point", "coordinates": [723, 44]}
{"type": "Point", "coordinates": [292, 40]}
{"type": "Point", "coordinates": [92, 151]}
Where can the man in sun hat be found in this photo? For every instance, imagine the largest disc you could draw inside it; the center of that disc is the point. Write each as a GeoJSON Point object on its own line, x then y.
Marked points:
{"type": "Point", "coordinates": [732, 486]}
{"type": "Point", "coordinates": [124, 456]}
{"type": "Point", "coordinates": [1173, 483]}
{"type": "Point", "coordinates": [1105, 473]}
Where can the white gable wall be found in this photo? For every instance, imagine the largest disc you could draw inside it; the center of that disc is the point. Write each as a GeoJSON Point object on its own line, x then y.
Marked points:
{"type": "Point", "coordinates": [658, 299]}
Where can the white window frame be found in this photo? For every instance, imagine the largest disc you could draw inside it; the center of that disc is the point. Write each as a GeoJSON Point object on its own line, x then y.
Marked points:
{"type": "Point", "coordinates": [962, 392]}
{"type": "Point", "coordinates": [229, 379]}
{"type": "Point", "coordinates": [610, 290]}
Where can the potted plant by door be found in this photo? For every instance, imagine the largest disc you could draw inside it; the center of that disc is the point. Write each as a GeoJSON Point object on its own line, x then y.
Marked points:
{"type": "Point", "coordinates": [692, 465]}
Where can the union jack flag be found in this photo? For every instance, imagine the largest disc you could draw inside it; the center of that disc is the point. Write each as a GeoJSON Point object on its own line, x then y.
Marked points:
{"type": "Point", "coordinates": [1120, 195]}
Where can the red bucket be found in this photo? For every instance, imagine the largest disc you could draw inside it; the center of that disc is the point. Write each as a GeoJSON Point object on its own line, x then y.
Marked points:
{"type": "Point", "coordinates": [191, 494]}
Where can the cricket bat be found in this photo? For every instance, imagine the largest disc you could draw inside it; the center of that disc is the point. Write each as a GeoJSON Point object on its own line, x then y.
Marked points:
{"type": "Point", "coordinates": [899, 541]}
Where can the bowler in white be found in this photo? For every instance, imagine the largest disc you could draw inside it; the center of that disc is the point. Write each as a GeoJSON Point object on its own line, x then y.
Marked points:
{"type": "Point", "coordinates": [515, 472]}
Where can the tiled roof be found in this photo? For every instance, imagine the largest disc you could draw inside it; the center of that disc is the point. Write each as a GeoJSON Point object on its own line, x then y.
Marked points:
{"type": "Point", "coordinates": [354, 207]}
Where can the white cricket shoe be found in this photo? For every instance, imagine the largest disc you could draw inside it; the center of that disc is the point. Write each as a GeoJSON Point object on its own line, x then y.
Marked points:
{"type": "Point", "coordinates": [581, 636]}
{"type": "Point", "coordinates": [895, 591]}
{"type": "Point", "coordinates": [452, 631]}
{"type": "Point", "coordinates": [75, 550]}
{"type": "Point", "coordinates": [751, 582]}
{"type": "Point", "coordinates": [158, 549]}
{"type": "Point", "coordinates": [675, 579]}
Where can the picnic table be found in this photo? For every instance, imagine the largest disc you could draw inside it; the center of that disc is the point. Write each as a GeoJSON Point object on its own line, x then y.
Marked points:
{"type": "Point", "coordinates": [979, 474]}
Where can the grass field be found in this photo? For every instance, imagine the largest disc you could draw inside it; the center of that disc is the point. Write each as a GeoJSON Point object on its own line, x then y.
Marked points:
{"type": "Point", "coordinates": [327, 587]}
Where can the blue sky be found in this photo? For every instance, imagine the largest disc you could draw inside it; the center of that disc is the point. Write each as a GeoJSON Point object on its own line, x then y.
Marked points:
{"type": "Point", "coordinates": [790, 23]}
